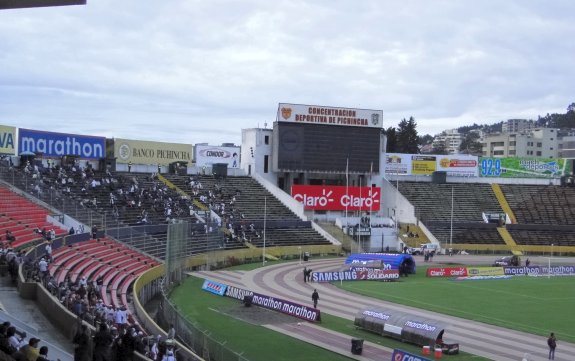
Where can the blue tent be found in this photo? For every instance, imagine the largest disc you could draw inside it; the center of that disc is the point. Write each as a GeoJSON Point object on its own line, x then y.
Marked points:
{"type": "Point", "coordinates": [393, 259]}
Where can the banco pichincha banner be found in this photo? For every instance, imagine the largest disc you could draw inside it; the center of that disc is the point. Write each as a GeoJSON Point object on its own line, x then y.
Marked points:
{"type": "Point", "coordinates": [522, 167]}
{"type": "Point", "coordinates": [151, 153]}
{"type": "Point", "coordinates": [7, 140]}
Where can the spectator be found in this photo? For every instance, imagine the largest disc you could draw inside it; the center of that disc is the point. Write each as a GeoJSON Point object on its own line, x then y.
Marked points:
{"type": "Point", "coordinates": [82, 344]}
{"type": "Point", "coordinates": [30, 350]}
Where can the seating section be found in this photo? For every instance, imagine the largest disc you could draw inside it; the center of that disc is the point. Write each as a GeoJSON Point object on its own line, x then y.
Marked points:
{"type": "Point", "coordinates": [466, 235]}
{"type": "Point", "coordinates": [113, 265]}
{"type": "Point", "coordinates": [541, 204]}
{"type": "Point", "coordinates": [432, 201]}
{"type": "Point", "coordinates": [22, 218]}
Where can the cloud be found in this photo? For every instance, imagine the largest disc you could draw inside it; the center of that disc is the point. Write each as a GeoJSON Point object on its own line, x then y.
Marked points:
{"type": "Point", "coordinates": [195, 71]}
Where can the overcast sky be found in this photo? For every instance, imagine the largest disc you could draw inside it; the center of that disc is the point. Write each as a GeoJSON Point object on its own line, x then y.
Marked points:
{"type": "Point", "coordinates": [200, 71]}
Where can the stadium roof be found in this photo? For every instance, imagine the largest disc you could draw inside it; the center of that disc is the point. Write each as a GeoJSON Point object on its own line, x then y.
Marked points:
{"type": "Point", "coordinates": [17, 4]}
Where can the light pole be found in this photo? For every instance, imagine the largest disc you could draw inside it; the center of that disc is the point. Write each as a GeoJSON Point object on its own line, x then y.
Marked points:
{"type": "Point", "coordinates": [451, 223]}
{"type": "Point", "coordinates": [265, 217]}
{"type": "Point", "coordinates": [299, 250]}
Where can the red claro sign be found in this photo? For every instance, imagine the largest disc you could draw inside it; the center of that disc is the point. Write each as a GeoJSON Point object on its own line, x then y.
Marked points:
{"type": "Point", "coordinates": [447, 272]}
{"type": "Point", "coordinates": [337, 198]}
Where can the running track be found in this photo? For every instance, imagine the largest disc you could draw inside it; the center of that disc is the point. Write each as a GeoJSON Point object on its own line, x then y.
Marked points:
{"type": "Point", "coordinates": [286, 281]}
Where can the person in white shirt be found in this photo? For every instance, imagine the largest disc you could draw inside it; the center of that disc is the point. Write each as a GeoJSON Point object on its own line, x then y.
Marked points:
{"type": "Point", "coordinates": [43, 267]}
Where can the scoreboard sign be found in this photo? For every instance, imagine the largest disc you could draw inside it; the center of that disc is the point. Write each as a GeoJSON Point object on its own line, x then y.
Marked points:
{"type": "Point", "coordinates": [300, 113]}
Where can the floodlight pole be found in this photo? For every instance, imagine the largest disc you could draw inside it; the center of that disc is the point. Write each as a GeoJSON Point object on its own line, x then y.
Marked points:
{"type": "Point", "coordinates": [265, 217]}
{"type": "Point", "coordinates": [451, 223]}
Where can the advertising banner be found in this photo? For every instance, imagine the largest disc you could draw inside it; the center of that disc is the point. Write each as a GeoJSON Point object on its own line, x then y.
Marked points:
{"type": "Point", "coordinates": [7, 140]}
{"type": "Point", "coordinates": [485, 271]}
{"type": "Point", "coordinates": [147, 152]}
{"type": "Point", "coordinates": [356, 274]}
{"type": "Point", "coordinates": [423, 164]}
{"type": "Point", "coordinates": [400, 355]}
{"type": "Point", "coordinates": [518, 167]}
{"type": "Point", "coordinates": [337, 198]}
{"type": "Point", "coordinates": [396, 163]}
{"type": "Point", "coordinates": [456, 165]}
{"type": "Point", "coordinates": [275, 304]}
{"type": "Point", "coordinates": [206, 155]}
{"type": "Point", "coordinates": [60, 144]}
{"type": "Point", "coordinates": [214, 287]}
{"type": "Point", "coordinates": [446, 272]}
{"type": "Point", "coordinates": [300, 113]}
{"type": "Point", "coordinates": [540, 270]}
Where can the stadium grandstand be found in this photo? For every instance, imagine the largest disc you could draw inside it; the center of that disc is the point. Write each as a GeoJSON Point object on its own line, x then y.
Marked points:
{"type": "Point", "coordinates": [101, 232]}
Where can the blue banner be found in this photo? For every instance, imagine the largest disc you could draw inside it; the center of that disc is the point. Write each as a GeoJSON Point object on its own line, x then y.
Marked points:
{"type": "Point", "coordinates": [59, 144]}
{"type": "Point", "coordinates": [214, 287]}
{"type": "Point", "coordinates": [400, 355]}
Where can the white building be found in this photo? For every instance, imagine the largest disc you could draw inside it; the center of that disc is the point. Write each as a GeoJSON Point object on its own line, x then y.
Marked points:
{"type": "Point", "coordinates": [538, 142]}
{"type": "Point", "coordinates": [451, 139]}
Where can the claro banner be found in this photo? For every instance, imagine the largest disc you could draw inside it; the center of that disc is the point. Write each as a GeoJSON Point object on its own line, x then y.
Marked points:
{"type": "Point", "coordinates": [146, 152]}
{"type": "Point", "coordinates": [7, 140]}
{"type": "Point", "coordinates": [447, 272]}
{"type": "Point", "coordinates": [60, 144]}
{"type": "Point", "coordinates": [337, 198]}
{"type": "Point", "coordinates": [207, 155]}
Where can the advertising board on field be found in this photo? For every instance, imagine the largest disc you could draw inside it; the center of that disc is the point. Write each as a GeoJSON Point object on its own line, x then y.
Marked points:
{"type": "Point", "coordinates": [522, 167]}
{"type": "Point", "coordinates": [485, 271]}
{"type": "Point", "coordinates": [7, 140]}
{"type": "Point", "coordinates": [316, 114]}
{"type": "Point", "coordinates": [148, 152]}
{"type": "Point", "coordinates": [455, 165]}
{"type": "Point", "coordinates": [337, 198]}
{"type": "Point", "coordinates": [446, 272]}
{"type": "Point", "coordinates": [207, 155]}
{"type": "Point", "coordinates": [400, 355]}
{"type": "Point", "coordinates": [51, 144]}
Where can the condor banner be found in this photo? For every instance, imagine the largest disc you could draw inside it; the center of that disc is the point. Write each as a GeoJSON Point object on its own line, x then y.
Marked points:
{"type": "Point", "coordinates": [300, 113]}
{"type": "Point", "coordinates": [523, 167]}
{"type": "Point", "coordinates": [337, 198]}
{"type": "Point", "coordinates": [7, 140]}
{"type": "Point", "coordinates": [147, 152]}
{"type": "Point", "coordinates": [207, 155]}
{"type": "Point", "coordinates": [60, 144]}
{"type": "Point", "coordinates": [455, 165]}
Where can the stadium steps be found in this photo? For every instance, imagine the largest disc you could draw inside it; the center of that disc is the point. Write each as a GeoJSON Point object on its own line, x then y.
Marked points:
{"type": "Point", "coordinates": [503, 202]}
{"type": "Point", "coordinates": [171, 185]}
{"type": "Point", "coordinates": [348, 243]}
{"type": "Point", "coordinates": [508, 239]}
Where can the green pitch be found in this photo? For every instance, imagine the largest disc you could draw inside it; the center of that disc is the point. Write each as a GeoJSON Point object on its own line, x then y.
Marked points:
{"type": "Point", "coordinates": [537, 305]}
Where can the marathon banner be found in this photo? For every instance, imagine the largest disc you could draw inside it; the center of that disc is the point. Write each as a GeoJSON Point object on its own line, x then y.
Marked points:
{"type": "Point", "coordinates": [300, 113]}
{"type": "Point", "coordinates": [275, 304]}
{"type": "Point", "coordinates": [214, 287]}
{"type": "Point", "coordinates": [337, 198]}
{"type": "Point", "coordinates": [540, 271]}
{"type": "Point", "coordinates": [400, 355]}
{"type": "Point", "coordinates": [455, 165]}
{"type": "Point", "coordinates": [356, 274]}
{"type": "Point", "coordinates": [485, 271]}
{"type": "Point", "coordinates": [60, 144]}
{"type": "Point", "coordinates": [207, 155]}
{"type": "Point", "coordinates": [7, 140]}
{"type": "Point", "coordinates": [446, 272]}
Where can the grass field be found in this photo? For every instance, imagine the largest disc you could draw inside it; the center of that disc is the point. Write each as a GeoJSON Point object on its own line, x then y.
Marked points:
{"type": "Point", "coordinates": [257, 343]}
{"type": "Point", "coordinates": [536, 305]}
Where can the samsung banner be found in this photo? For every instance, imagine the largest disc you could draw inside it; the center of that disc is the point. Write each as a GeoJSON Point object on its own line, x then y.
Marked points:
{"type": "Point", "coordinates": [455, 165]}
{"type": "Point", "coordinates": [7, 140]}
{"type": "Point", "coordinates": [207, 155]}
{"type": "Point", "coordinates": [147, 152]}
{"type": "Point", "coordinates": [300, 113]}
{"type": "Point", "coordinates": [337, 198]}
{"type": "Point", "coordinates": [60, 144]}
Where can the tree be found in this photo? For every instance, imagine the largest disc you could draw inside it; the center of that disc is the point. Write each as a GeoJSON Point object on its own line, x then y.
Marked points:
{"type": "Point", "coordinates": [391, 135]}
{"type": "Point", "coordinates": [407, 139]}
{"type": "Point", "coordinates": [439, 148]}
{"type": "Point", "coordinates": [470, 144]}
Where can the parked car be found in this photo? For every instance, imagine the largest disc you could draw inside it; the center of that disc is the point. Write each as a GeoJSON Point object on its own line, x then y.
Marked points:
{"type": "Point", "coordinates": [507, 261]}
